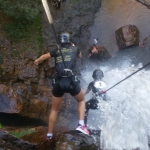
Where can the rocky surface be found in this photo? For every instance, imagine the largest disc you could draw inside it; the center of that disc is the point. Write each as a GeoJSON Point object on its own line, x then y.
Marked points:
{"type": "Point", "coordinates": [61, 141]}
{"type": "Point", "coordinates": [127, 36]}
{"type": "Point", "coordinates": [75, 17]}
{"type": "Point", "coordinates": [9, 142]}
{"type": "Point", "coordinates": [24, 87]}
{"type": "Point", "coordinates": [71, 140]}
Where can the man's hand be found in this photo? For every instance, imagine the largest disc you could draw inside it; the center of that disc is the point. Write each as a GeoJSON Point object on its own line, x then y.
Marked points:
{"type": "Point", "coordinates": [36, 62]}
{"type": "Point", "coordinates": [42, 58]}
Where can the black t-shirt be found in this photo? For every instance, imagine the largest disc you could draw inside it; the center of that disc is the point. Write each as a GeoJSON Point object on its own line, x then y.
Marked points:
{"type": "Point", "coordinates": [69, 53]}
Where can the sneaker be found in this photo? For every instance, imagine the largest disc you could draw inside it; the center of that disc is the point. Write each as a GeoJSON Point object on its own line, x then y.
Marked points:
{"type": "Point", "coordinates": [83, 129]}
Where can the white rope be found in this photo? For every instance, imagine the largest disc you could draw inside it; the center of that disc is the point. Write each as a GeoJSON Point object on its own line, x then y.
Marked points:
{"type": "Point", "coordinates": [47, 10]}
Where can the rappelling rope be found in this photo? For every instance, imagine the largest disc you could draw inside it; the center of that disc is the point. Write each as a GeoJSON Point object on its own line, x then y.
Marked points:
{"type": "Point", "coordinates": [50, 20]}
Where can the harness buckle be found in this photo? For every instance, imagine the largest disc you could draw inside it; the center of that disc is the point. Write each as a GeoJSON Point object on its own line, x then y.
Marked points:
{"type": "Point", "coordinates": [75, 78]}
{"type": "Point", "coordinates": [67, 73]}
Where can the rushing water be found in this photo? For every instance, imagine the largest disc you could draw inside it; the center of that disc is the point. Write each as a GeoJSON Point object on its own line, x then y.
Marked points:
{"type": "Point", "coordinates": [124, 119]}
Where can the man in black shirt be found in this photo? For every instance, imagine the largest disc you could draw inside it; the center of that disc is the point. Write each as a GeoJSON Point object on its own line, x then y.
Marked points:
{"type": "Point", "coordinates": [65, 81]}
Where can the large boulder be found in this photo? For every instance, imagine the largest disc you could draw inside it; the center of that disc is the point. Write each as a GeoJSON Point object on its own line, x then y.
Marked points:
{"type": "Point", "coordinates": [24, 87]}
{"type": "Point", "coordinates": [27, 100]}
{"type": "Point", "coordinates": [127, 36]}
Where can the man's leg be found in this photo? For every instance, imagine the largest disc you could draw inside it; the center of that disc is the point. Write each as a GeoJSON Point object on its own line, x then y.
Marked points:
{"type": "Point", "coordinates": [81, 112]}
{"type": "Point", "coordinates": [56, 101]}
{"type": "Point", "coordinates": [81, 104]}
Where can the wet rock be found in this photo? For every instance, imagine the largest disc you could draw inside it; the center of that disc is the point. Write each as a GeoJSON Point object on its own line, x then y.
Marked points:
{"type": "Point", "coordinates": [9, 142]}
{"type": "Point", "coordinates": [127, 36]}
{"type": "Point", "coordinates": [70, 140]}
{"type": "Point", "coordinates": [36, 137]}
{"type": "Point", "coordinates": [27, 100]}
{"type": "Point", "coordinates": [75, 17]}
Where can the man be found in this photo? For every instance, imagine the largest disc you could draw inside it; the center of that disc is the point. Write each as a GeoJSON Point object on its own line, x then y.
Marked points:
{"type": "Point", "coordinates": [65, 81]}
{"type": "Point", "coordinates": [96, 87]}
{"type": "Point", "coordinates": [98, 53]}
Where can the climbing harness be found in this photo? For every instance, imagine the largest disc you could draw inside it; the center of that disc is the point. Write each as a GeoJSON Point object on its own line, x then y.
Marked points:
{"type": "Point", "coordinates": [66, 73]}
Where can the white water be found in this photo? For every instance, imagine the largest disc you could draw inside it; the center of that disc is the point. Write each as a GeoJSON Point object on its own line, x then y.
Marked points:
{"type": "Point", "coordinates": [125, 119]}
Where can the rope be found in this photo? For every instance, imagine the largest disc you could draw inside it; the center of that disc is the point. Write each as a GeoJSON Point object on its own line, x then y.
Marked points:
{"type": "Point", "coordinates": [50, 20]}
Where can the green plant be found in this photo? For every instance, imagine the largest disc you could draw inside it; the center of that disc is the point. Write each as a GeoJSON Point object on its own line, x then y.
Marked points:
{"type": "Point", "coordinates": [1, 126]}
{"type": "Point", "coordinates": [22, 15]}
{"type": "Point", "coordinates": [21, 133]}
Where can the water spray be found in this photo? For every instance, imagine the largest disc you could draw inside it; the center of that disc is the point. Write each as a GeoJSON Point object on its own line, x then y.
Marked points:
{"type": "Point", "coordinates": [104, 91]}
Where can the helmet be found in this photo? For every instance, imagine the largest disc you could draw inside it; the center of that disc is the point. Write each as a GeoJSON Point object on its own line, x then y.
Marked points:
{"type": "Point", "coordinates": [65, 38]}
{"type": "Point", "coordinates": [97, 74]}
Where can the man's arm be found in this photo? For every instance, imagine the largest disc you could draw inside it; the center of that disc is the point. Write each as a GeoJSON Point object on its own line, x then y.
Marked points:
{"type": "Point", "coordinates": [88, 88]}
{"type": "Point", "coordinates": [42, 58]}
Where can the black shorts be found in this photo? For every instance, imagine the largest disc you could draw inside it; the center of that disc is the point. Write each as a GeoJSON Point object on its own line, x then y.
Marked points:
{"type": "Point", "coordinates": [66, 85]}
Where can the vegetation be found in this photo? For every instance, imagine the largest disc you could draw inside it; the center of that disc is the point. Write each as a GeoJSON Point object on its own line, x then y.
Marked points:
{"type": "Point", "coordinates": [1, 126]}
{"type": "Point", "coordinates": [21, 133]}
{"type": "Point", "coordinates": [24, 18]}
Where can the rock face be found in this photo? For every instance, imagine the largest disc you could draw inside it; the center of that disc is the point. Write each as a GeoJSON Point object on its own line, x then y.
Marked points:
{"type": "Point", "coordinates": [72, 141]}
{"type": "Point", "coordinates": [26, 100]}
{"type": "Point", "coordinates": [62, 141]}
{"type": "Point", "coordinates": [74, 17]}
{"type": "Point", "coordinates": [127, 36]}
{"type": "Point", "coordinates": [8, 141]}
{"type": "Point", "coordinates": [24, 87]}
